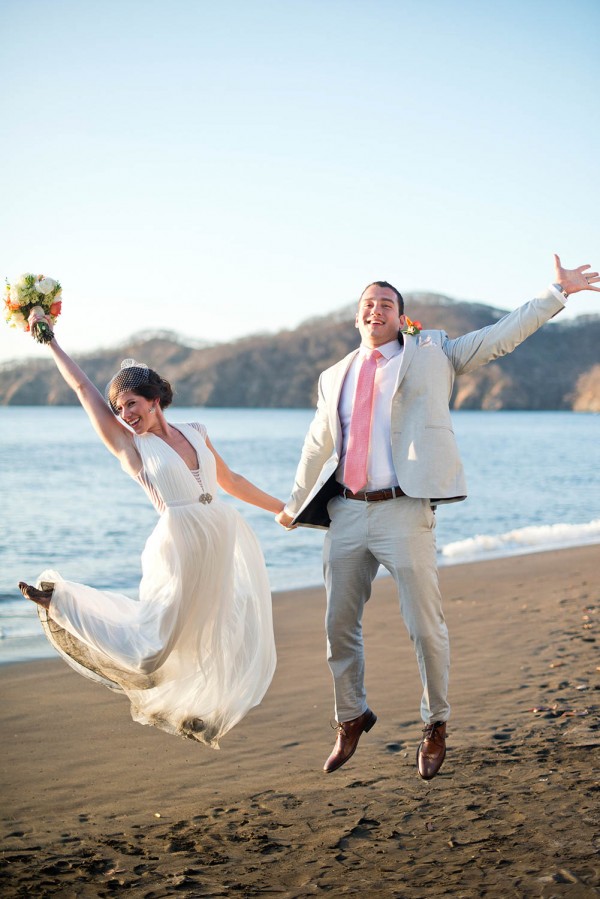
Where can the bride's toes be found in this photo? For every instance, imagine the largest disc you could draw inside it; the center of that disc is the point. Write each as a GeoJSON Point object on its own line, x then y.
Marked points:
{"type": "Point", "coordinates": [42, 597]}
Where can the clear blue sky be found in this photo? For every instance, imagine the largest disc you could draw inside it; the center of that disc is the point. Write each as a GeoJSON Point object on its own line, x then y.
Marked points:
{"type": "Point", "coordinates": [236, 167]}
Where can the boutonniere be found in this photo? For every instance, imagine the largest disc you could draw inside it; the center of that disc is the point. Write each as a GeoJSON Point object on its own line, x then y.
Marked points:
{"type": "Point", "coordinates": [412, 328]}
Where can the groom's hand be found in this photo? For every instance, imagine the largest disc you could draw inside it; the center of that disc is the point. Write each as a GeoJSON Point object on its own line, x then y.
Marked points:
{"type": "Point", "coordinates": [575, 279]}
{"type": "Point", "coordinates": [285, 521]}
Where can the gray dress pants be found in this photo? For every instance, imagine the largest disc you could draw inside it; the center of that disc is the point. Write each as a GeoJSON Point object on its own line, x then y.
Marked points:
{"type": "Point", "coordinates": [400, 535]}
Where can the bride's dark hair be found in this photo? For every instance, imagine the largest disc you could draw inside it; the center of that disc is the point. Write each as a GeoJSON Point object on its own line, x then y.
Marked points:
{"type": "Point", "coordinates": [142, 381]}
{"type": "Point", "coordinates": [156, 388]}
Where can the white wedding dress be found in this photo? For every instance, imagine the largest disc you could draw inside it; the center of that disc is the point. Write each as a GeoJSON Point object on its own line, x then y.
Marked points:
{"type": "Point", "coordinates": [195, 651]}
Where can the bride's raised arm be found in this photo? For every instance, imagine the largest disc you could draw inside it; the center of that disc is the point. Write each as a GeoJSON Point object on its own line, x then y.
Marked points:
{"type": "Point", "coordinates": [111, 430]}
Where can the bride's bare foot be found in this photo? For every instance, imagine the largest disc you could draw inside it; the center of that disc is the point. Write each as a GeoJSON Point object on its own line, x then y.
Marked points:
{"type": "Point", "coordinates": [42, 597]}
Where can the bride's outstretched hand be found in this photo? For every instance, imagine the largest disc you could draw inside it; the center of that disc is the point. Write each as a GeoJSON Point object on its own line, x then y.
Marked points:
{"type": "Point", "coordinates": [37, 315]}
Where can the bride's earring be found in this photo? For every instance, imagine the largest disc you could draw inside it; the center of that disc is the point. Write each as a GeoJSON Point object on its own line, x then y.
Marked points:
{"type": "Point", "coordinates": [151, 409]}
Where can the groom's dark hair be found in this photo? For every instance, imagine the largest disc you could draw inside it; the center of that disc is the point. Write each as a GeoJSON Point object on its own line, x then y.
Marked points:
{"type": "Point", "coordinates": [391, 287]}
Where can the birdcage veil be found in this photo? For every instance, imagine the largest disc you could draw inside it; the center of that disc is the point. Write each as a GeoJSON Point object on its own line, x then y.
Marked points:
{"type": "Point", "coordinates": [131, 375]}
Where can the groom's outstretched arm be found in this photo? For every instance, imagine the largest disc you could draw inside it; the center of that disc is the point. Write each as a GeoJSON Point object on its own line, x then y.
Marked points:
{"type": "Point", "coordinates": [477, 348]}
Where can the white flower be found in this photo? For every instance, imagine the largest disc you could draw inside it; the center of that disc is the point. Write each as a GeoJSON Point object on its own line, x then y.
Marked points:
{"type": "Point", "coordinates": [18, 320]}
{"type": "Point", "coordinates": [15, 295]}
{"type": "Point", "coordinates": [46, 285]}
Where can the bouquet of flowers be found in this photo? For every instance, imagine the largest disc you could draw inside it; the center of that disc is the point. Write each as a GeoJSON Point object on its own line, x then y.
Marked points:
{"type": "Point", "coordinates": [33, 293]}
{"type": "Point", "coordinates": [412, 327]}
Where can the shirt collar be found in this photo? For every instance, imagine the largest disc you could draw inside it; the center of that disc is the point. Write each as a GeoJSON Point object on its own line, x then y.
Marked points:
{"type": "Point", "coordinates": [389, 350]}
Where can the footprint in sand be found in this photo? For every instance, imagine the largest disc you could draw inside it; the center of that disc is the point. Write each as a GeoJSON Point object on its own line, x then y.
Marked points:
{"type": "Point", "coordinates": [503, 735]}
{"type": "Point", "coordinates": [361, 832]}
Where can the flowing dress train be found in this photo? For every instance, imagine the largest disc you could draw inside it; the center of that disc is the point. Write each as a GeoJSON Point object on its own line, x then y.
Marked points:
{"type": "Point", "coordinates": [195, 651]}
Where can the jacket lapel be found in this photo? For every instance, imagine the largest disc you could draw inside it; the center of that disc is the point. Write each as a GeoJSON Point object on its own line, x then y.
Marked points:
{"type": "Point", "coordinates": [339, 373]}
{"type": "Point", "coordinates": [410, 346]}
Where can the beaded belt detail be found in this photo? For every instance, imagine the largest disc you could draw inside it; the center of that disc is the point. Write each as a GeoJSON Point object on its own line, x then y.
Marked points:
{"type": "Point", "coordinates": [204, 498]}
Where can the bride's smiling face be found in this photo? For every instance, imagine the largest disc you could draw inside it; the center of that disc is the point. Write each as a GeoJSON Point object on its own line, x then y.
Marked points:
{"type": "Point", "coordinates": [136, 411]}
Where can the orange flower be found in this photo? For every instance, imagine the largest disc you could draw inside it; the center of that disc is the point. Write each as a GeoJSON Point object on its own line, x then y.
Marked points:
{"type": "Point", "coordinates": [56, 307]}
{"type": "Point", "coordinates": [412, 328]}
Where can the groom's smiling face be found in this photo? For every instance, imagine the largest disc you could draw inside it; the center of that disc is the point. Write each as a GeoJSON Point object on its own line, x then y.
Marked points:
{"type": "Point", "coordinates": [378, 317]}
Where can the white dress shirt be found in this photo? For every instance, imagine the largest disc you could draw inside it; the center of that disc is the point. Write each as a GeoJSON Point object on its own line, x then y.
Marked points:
{"type": "Point", "coordinates": [380, 467]}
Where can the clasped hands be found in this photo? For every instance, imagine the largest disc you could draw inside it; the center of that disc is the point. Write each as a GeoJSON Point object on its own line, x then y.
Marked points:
{"type": "Point", "coordinates": [285, 521]}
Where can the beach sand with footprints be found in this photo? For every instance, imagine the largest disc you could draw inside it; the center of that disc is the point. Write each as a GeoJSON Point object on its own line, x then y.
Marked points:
{"type": "Point", "coordinates": [95, 805]}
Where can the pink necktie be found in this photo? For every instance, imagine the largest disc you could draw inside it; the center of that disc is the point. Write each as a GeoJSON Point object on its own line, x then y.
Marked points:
{"type": "Point", "coordinates": [357, 452]}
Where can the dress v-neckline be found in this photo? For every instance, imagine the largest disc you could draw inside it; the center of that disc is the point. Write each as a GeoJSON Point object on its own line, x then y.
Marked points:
{"type": "Point", "coordinates": [173, 450]}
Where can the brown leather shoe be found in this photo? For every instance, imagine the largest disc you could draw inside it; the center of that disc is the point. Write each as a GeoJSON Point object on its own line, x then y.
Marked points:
{"type": "Point", "coordinates": [41, 597]}
{"type": "Point", "coordinates": [432, 749]}
{"type": "Point", "coordinates": [347, 740]}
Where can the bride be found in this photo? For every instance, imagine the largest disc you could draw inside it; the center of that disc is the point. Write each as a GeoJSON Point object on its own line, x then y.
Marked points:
{"type": "Point", "coordinates": [195, 651]}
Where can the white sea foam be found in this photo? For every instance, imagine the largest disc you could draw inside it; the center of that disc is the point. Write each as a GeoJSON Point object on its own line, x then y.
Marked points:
{"type": "Point", "coordinates": [521, 540]}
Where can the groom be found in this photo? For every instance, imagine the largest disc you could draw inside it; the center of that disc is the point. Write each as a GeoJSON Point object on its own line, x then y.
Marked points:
{"type": "Point", "coordinates": [379, 456]}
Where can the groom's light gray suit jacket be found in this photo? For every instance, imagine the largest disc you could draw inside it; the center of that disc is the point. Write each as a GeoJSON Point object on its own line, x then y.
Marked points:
{"type": "Point", "coordinates": [424, 450]}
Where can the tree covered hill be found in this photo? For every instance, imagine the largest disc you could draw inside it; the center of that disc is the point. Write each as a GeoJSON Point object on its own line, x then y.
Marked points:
{"type": "Point", "coordinates": [556, 368]}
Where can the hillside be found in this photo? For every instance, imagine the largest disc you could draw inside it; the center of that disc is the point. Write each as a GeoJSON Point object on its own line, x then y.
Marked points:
{"type": "Point", "coordinates": [557, 368]}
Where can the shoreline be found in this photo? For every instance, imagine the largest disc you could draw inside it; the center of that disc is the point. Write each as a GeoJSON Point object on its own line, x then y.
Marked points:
{"type": "Point", "coordinates": [493, 556]}
{"type": "Point", "coordinates": [94, 802]}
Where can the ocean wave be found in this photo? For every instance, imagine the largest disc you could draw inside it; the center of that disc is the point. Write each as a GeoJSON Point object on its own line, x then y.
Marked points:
{"type": "Point", "coordinates": [521, 540]}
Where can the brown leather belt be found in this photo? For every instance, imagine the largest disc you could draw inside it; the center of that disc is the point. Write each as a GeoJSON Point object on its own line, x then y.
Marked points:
{"type": "Point", "coordinates": [372, 496]}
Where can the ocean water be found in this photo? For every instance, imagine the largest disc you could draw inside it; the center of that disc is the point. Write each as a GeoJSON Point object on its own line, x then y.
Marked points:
{"type": "Point", "coordinates": [533, 482]}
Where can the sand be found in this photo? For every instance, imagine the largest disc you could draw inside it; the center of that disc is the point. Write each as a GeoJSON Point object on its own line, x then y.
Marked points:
{"type": "Point", "coordinates": [94, 804]}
